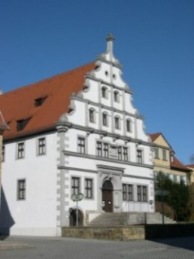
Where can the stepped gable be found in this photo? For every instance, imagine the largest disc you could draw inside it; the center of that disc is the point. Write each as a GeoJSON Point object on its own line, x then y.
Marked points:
{"type": "Point", "coordinates": [37, 107]}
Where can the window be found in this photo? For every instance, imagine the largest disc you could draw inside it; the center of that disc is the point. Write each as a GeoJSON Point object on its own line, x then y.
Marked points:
{"type": "Point", "coordinates": [21, 189]}
{"type": "Point", "coordinates": [39, 101]}
{"type": "Point", "coordinates": [127, 192]}
{"type": "Point", "coordinates": [20, 150]}
{"type": "Point", "coordinates": [88, 188]}
{"type": "Point", "coordinates": [3, 153]}
{"type": "Point", "coordinates": [106, 150]}
{"type": "Point", "coordinates": [75, 185]}
{"type": "Point", "coordinates": [104, 92]}
{"type": "Point", "coordinates": [81, 145]}
{"type": "Point", "coordinates": [156, 153]}
{"type": "Point", "coordinates": [41, 146]}
{"type": "Point", "coordinates": [92, 115]}
{"type": "Point", "coordinates": [164, 154]}
{"type": "Point", "coordinates": [21, 124]}
{"type": "Point", "coordinates": [139, 156]}
{"type": "Point", "coordinates": [142, 193]}
{"type": "Point", "coordinates": [116, 96]}
{"type": "Point", "coordinates": [99, 148]}
{"type": "Point", "coordinates": [125, 153]}
{"type": "Point", "coordinates": [128, 125]}
{"type": "Point", "coordinates": [117, 123]}
{"type": "Point", "coordinates": [120, 153]}
{"type": "Point", "coordinates": [104, 119]}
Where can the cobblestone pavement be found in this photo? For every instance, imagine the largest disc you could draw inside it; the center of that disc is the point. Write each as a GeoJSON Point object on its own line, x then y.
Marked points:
{"type": "Point", "coordinates": [66, 248]}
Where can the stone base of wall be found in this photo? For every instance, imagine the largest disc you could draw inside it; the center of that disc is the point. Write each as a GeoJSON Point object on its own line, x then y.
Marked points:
{"type": "Point", "coordinates": [150, 231]}
{"type": "Point", "coordinates": [109, 233]}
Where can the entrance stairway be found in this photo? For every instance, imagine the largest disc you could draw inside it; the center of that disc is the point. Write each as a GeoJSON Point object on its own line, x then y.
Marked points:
{"type": "Point", "coordinates": [125, 219]}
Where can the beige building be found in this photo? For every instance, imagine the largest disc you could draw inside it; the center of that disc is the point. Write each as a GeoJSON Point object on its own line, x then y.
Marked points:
{"type": "Point", "coordinates": [165, 160]}
{"type": "Point", "coordinates": [191, 167]}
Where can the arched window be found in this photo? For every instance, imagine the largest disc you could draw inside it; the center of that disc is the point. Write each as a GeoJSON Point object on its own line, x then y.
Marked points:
{"type": "Point", "coordinates": [128, 125]}
{"type": "Point", "coordinates": [91, 115]}
{"type": "Point", "coordinates": [104, 119]}
{"type": "Point", "coordinates": [116, 96]}
{"type": "Point", "coordinates": [104, 92]}
{"type": "Point", "coordinates": [117, 122]}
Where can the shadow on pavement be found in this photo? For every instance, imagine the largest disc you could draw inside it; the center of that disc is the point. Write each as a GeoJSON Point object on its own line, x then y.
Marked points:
{"type": "Point", "coordinates": [180, 242]}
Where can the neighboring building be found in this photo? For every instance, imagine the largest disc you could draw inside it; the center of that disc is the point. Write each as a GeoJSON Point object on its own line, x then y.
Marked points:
{"type": "Point", "coordinates": [191, 167]}
{"type": "Point", "coordinates": [76, 132]}
{"type": "Point", "coordinates": [165, 160]}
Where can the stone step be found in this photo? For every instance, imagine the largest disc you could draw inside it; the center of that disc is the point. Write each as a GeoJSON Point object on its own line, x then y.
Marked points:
{"type": "Point", "coordinates": [125, 218]}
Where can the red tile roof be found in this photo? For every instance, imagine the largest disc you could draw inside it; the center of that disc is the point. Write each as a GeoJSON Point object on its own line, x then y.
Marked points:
{"type": "Point", "coordinates": [23, 103]}
{"type": "Point", "coordinates": [176, 164]}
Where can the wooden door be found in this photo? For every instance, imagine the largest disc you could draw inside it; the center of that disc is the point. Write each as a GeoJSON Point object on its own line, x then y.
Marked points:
{"type": "Point", "coordinates": [107, 196]}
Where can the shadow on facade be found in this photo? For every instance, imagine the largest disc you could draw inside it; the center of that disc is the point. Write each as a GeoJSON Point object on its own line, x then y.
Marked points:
{"type": "Point", "coordinates": [73, 218]}
{"type": "Point", "coordinates": [6, 220]}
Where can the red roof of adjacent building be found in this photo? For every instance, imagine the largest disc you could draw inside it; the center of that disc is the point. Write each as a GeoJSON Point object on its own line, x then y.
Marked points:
{"type": "Point", "coordinates": [41, 104]}
{"type": "Point", "coordinates": [191, 165]}
{"type": "Point", "coordinates": [178, 165]}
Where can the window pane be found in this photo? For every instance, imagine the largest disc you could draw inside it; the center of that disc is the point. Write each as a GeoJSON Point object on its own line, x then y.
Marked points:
{"type": "Point", "coordinates": [75, 185]}
{"type": "Point", "coordinates": [21, 189]}
{"type": "Point", "coordinates": [81, 145]}
{"type": "Point", "coordinates": [88, 188]}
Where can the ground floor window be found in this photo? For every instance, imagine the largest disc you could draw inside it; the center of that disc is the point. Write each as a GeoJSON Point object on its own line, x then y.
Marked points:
{"type": "Point", "coordinates": [142, 193]}
{"type": "Point", "coordinates": [75, 185]}
{"type": "Point", "coordinates": [127, 192]}
{"type": "Point", "coordinates": [88, 188]}
{"type": "Point", "coordinates": [21, 189]}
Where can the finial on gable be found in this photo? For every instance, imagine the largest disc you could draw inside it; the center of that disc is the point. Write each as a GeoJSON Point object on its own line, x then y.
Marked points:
{"type": "Point", "coordinates": [110, 38]}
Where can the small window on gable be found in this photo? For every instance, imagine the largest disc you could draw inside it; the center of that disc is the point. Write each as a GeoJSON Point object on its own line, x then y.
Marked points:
{"type": "Point", "coordinates": [117, 122]}
{"type": "Point", "coordinates": [92, 115]}
{"type": "Point", "coordinates": [39, 101]}
{"type": "Point", "coordinates": [128, 125]}
{"type": "Point", "coordinates": [21, 124]}
{"type": "Point", "coordinates": [104, 92]}
{"type": "Point", "coordinates": [116, 96]}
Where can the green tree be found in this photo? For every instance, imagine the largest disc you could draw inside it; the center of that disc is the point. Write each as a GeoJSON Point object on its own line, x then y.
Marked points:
{"type": "Point", "coordinates": [177, 196]}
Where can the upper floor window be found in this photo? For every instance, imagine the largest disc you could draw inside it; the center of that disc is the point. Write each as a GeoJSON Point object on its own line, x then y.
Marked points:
{"type": "Point", "coordinates": [104, 92]}
{"type": "Point", "coordinates": [142, 193]}
{"type": "Point", "coordinates": [117, 122]}
{"type": "Point", "coordinates": [164, 157]}
{"type": "Point", "coordinates": [139, 156]}
{"type": "Point", "coordinates": [116, 96]}
{"type": "Point", "coordinates": [99, 148]}
{"type": "Point", "coordinates": [120, 153]}
{"type": "Point", "coordinates": [125, 153]}
{"type": "Point", "coordinates": [128, 125]}
{"type": "Point", "coordinates": [20, 150]}
{"type": "Point", "coordinates": [75, 185]}
{"type": "Point", "coordinates": [106, 150]}
{"type": "Point", "coordinates": [92, 115]}
{"type": "Point", "coordinates": [41, 146]}
{"type": "Point", "coordinates": [21, 189]}
{"type": "Point", "coordinates": [81, 145]}
{"type": "Point", "coordinates": [156, 152]}
{"type": "Point", "coordinates": [105, 119]}
{"type": "Point", "coordinates": [88, 188]}
{"type": "Point", "coordinates": [127, 192]}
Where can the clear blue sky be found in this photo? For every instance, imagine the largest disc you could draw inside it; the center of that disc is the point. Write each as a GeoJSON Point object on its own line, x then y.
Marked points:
{"type": "Point", "coordinates": [154, 43]}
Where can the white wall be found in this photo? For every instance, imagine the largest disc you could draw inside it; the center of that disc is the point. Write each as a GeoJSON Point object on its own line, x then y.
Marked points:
{"type": "Point", "coordinates": [37, 213]}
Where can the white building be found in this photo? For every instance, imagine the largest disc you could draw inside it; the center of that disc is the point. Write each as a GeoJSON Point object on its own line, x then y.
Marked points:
{"type": "Point", "coordinates": [76, 132]}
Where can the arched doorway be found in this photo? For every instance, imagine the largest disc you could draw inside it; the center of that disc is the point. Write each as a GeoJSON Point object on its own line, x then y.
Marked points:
{"type": "Point", "coordinates": [107, 196]}
{"type": "Point", "coordinates": [73, 217]}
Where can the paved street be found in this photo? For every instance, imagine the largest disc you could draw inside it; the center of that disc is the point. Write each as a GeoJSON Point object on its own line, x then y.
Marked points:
{"type": "Point", "coordinates": [66, 248]}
